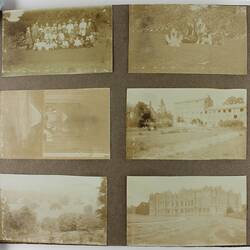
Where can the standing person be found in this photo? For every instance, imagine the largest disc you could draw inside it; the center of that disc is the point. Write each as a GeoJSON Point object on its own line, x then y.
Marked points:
{"type": "Point", "coordinates": [70, 27]}
{"type": "Point", "coordinates": [35, 31]}
{"type": "Point", "coordinates": [82, 28]}
{"type": "Point", "coordinates": [89, 27]}
{"type": "Point", "coordinates": [28, 39]}
{"type": "Point", "coordinates": [76, 28]}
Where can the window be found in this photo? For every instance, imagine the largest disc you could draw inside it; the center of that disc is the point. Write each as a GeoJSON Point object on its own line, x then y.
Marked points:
{"type": "Point", "coordinates": [235, 116]}
{"type": "Point", "coordinates": [229, 110]}
{"type": "Point", "coordinates": [242, 109]}
{"type": "Point", "coordinates": [219, 111]}
{"type": "Point", "coordinates": [224, 110]}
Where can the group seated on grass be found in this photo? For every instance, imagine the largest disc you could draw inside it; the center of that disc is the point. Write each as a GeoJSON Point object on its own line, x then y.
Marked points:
{"type": "Point", "coordinates": [70, 34]}
{"type": "Point", "coordinates": [197, 32]}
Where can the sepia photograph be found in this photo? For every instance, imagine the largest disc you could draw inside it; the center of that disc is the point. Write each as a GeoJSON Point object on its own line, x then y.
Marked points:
{"type": "Point", "coordinates": [55, 124]}
{"type": "Point", "coordinates": [57, 41]}
{"type": "Point", "coordinates": [186, 211]}
{"type": "Point", "coordinates": [186, 123]}
{"type": "Point", "coordinates": [188, 39]}
{"type": "Point", "coordinates": [53, 209]}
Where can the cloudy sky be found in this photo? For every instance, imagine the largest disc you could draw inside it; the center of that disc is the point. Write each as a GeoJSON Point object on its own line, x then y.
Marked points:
{"type": "Point", "coordinates": [72, 186]}
{"type": "Point", "coordinates": [172, 95]}
{"type": "Point", "coordinates": [139, 188]}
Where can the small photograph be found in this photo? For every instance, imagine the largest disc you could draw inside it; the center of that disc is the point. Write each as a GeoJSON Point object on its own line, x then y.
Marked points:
{"type": "Point", "coordinates": [53, 209]}
{"type": "Point", "coordinates": [55, 124]}
{"type": "Point", "coordinates": [186, 211]}
{"type": "Point", "coordinates": [188, 39]}
{"type": "Point", "coordinates": [57, 41]}
{"type": "Point", "coordinates": [186, 124]}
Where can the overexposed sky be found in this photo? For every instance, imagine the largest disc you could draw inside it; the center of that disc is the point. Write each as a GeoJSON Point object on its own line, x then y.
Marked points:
{"type": "Point", "coordinates": [140, 187]}
{"type": "Point", "coordinates": [172, 95]}
{"type": "Point", "coordinates": [72, 186]}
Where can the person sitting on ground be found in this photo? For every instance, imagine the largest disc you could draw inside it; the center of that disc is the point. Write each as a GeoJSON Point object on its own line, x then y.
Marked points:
{"type": "Point", "coordinates": [77, 42]}
{"type": "Point", "coordinates": [174, 39]}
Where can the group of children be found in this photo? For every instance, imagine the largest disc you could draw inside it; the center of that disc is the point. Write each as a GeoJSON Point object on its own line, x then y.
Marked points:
{"type": "Point", "coordinates": [61, 35]}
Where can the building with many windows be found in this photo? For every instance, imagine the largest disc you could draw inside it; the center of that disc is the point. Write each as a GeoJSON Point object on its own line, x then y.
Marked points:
{"type": "Point", "coordinates": [194, 202]}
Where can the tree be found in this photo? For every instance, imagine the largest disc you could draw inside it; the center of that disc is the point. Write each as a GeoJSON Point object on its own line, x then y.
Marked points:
{"type": "Point", "coordinates": [142, 208]}
{"type": "Point", "coordinates": [102, 199]}
{"type": "Point", "coordinates": [234, 100]}
{"type": "Point", "coordinates": [208, 103]}
{"type": "Point", "coordinates": [23, 221]}
{"type": "Point", "coordinates": [68, 222]}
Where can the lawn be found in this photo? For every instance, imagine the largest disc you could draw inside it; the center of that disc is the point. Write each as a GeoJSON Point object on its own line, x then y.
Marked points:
{"type": "Point", "coordinates": [184, 231]}
{"type": "Point", "coordinates": [186, 144]}
{"type": "Point", "coordinates": [149, 53]}
{"type": "Point", "coordinates": [60, 61]}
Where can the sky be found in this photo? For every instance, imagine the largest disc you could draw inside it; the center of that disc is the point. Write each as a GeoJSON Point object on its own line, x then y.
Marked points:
{"type": "Point", "coordinates": [139, 188]}
{"type": "Point", "coordinates": [72, 186]}
{"type": "Point", "coordinates": [172, 95]}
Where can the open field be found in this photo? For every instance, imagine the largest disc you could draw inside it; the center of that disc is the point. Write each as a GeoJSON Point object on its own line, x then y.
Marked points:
{"type": "Point", "coordinates": [67, 61]}
{"type": "Point", "coordinates": [157, 57]}
{"type": "Point", "coordinates": [186, 144]}
{"type": "Point", "coordinates": [189, 230]}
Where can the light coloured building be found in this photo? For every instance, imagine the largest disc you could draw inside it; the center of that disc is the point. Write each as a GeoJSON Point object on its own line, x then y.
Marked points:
{"type": "Point", "coordinates": [203, 112]}
{"type": "Point", "coordinates": [194, 202]}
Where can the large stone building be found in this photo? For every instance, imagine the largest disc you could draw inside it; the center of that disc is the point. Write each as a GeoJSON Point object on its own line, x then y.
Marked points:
{"type": "Point", "coordinates": [204, 112]}
{"type": "Point", "coordinates": [203, 201]}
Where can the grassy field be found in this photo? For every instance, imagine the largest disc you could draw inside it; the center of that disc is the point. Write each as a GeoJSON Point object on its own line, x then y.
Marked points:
{"type": "Point", "coordinates": [199, 230]}
{"type": "Point", "coordinates": [61, 61]}
{"type": "Point", "coordinates": [186, 144]}
{"type": "Point", "coordinates": [149, 53]}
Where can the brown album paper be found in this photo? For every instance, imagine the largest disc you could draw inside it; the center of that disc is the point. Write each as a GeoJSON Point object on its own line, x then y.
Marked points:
{"type": "Point", "coordinates": [117, 168]}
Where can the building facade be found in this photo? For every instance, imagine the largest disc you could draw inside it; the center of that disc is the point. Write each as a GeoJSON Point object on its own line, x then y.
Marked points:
{"type": "Point", "coordinates": [203, 112]}
{"type": "Point", "coordinates": [194, 202]}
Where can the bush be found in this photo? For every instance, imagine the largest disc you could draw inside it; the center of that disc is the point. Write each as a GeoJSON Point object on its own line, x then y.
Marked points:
{"type": "Point", "coordinates": [67, 222]}
{"type": "Point", "coordinates": [231, 124]}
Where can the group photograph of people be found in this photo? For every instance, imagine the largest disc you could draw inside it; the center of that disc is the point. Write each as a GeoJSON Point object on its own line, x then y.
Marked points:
{"type": "Point", "coordinates": [70, 34]}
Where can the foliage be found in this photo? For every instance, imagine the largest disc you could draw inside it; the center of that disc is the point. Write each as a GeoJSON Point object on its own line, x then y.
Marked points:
{"type": "Point", "coordinates": [67, 222]}
{"type": "Point", "coordinates": [142, 208]}
{"type": "Point", "coordinates": [231, 124]}
{"type": "Point", "coordinates": [234, 100]}
{"type": "Point", "coordinates": [102, 199]}
{"type": "Point", "coordinates": [230, 20]}
{"type": "Point", "coordinates": [50, 224]}
{"type": "Point", "coordinates": [23, 221]}
{"type": "Point", "coordinates": [141, 115]}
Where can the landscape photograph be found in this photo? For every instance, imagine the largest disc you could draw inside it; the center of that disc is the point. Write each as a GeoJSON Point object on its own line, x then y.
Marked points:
{"type": "Point", "coordinates": [186, 123]}
{"type": "Point", "coordinates": [188, 39]}
{"type": "Point", "coordinates": [186, 211]}
{"type": "Point", "coordinates": [55, 124]}
{"type": "Point", "coordinates": [57, 41]}
{"type": "Point", "coordinates": [53, 209]}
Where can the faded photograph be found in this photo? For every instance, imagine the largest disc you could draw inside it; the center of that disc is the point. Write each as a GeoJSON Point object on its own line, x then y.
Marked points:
{"type": "Point", "coordinates": [186, 211]}
{"type": "Point", "coordinates": [191, 39]}
{"type": "Point", "coordinates": [186, 124]}
{"type": "Point", "coordinates": [57, 41]}
{"type": "Point", "coordinates": [55, 124]}
{"type": "Point", "coordinates": [53, 209]}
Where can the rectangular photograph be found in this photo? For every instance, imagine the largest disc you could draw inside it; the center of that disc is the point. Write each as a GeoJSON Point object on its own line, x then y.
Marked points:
{"type": "Point", "coordinates": [53, 209]}
{"type": "Point", "coordinates": [188, 39]}
{"type": "Point", "coordinates": [186, 211]}
{"type": "Point", "coordinates": [55, 124]}
{"type": "Point", "coordinates": [57, 41]}
{"type": "Point", "coordinates": [186, 124]}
